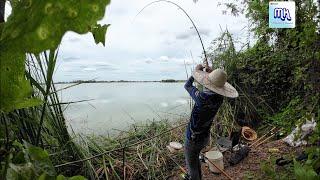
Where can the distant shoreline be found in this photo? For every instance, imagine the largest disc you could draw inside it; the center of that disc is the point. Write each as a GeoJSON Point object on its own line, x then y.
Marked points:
{"type": "Point", "coordinates": [122, 81]}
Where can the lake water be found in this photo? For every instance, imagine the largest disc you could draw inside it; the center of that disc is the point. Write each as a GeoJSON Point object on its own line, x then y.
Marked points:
{"type": "Point", "coordinates": [116, 106]}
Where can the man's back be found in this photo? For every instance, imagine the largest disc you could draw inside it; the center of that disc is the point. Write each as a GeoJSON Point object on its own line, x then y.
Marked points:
{"type": "Point", "coordinates": [206, 106]}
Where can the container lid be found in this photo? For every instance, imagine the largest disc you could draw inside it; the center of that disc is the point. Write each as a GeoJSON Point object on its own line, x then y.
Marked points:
{"type": "Point", "coordinates": [176, 145]}
{"type": "Point", "coordinates": [248, 133]}
{"type": "Point", "coordinates": [214, 155]}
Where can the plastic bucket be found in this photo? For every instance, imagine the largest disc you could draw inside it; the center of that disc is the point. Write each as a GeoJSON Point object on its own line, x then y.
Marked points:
{"type": "Point", "coordinates": [215, 157]}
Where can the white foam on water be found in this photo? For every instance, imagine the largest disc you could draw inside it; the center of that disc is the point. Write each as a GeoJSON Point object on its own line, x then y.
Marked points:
{"type": "Point", "coordinates": [181, 101]}
{"type": "Point", "coordinates": [164, 104]}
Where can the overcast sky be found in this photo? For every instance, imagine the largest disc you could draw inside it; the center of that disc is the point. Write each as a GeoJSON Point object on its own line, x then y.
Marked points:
{"type": "Point", "coordinates": [152, 46]}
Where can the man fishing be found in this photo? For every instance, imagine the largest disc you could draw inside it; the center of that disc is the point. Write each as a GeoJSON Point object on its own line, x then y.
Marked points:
{"type": "Point", "coordinates": [207, 104]}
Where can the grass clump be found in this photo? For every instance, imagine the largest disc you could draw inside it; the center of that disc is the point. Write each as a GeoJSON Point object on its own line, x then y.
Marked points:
{"type": "Point", "coordinates": [129, 158]}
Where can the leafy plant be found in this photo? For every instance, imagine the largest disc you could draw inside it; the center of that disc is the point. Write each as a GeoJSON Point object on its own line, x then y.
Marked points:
{"type": "Point", "coordinates": [28, 162]}
{"type": "Point", "coordinates": [304, 172]}
{"type": "Point", "coordinates": [277, 77]}
{"type": "Point", "coordinates": [36, 26]}
{"type": "Point", "coordinates": [28, 46]}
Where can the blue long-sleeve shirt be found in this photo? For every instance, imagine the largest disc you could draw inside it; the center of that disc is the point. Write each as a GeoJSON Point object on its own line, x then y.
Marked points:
{"type": "Point", "coordinates": [205, 108]}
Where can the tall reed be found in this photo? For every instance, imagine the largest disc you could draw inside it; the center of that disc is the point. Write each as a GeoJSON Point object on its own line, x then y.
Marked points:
{"type": "Point", "coordinates": [247, 108]}
{"type": "Point", "coordinates": [45, 125]}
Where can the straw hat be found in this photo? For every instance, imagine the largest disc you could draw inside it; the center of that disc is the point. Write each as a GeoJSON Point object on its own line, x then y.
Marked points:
{"type": "Point", "coordinates": [216, 81]}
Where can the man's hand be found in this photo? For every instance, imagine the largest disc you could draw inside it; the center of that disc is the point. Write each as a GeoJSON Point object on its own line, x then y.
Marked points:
{"type": "Point", "coordinates": [199, 67]}
{"type": "Point", "coordinates": [208, 69]}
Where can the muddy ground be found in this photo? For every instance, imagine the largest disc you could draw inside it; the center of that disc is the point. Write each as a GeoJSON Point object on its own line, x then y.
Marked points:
{"type": "Point", "coordinates": [251, 165]}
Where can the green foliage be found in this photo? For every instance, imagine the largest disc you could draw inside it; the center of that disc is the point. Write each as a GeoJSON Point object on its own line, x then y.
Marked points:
{"type": "Point", "coordinates": [24, 171]}
{"type": "Point", "coordinates": [39, 158]}
{"type": "Point", "coordinates": [28, 42]}
{"type": "Point", "coordinates": [278, 77]}
{"type": "Point", "coordinates": [279, 73]}
{"type": "Point", "coordinates": [40, 25]}
{"type": "Point", "coordinates": [28, 162]}
{"type": "Point", "coordinates": [290, 116]}
{"type": "Point", "coordinates": [248, 175]}
{"type": "Point", "coordinates": [257, 12]}
{"type": "Point", "coordinates": [152, 154]}
{"type": "Point", "coordinates": [36, 26]}
{"type": "Point", "coordinates": [99, 33]}
{"type": "Point", "coordinates": [14, 88]}
{"type": "Point", "coordinates": [25, 123]}
{"type": "Point", "coordinates": [304, 172]}
{"type": "Point", "coordinates": [270, 170]}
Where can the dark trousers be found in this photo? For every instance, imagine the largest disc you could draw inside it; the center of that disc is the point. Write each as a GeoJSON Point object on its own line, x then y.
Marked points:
{"type": "Point", "coordinates": [191, 153]}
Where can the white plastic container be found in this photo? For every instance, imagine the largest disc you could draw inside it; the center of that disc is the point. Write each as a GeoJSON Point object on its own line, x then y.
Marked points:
{"type": "Point", "coordinates": [215, 157]}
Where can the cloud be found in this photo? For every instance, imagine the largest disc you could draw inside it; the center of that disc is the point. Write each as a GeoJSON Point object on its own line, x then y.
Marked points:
{"type": "Point", "coordinates": [152, 46]}
{"type": "Point", "coordinates": [164, 58]}
{"type": "Point", "coordinates": [74, 39]}
{"type": "Point", "coordinates": [148, 61]}
{"type": "Point", "coordinates": [183, 36]}
{"type": "Point", "coordinates": [70, 58]}
{"type": "Point", "coordinates": [192, 34]}
{"type": "Point", "coordinates": [85, 65]}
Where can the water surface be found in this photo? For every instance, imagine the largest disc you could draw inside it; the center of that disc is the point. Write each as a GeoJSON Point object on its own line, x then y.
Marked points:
{"type": "Point", "coordinates": [116, 106]}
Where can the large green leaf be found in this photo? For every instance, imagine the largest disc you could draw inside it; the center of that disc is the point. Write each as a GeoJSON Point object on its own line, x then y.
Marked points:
{"type": "Point", "coordinates": [35, 26]}
{"type": "Point", "coordinates": [21, 172]}
{"type": "Point", "coordinates": [32, 162]}
{"type": "Point", "coordinates": [14, 88]}
{"type": "Point", "coordinates": [99, 33]}
{"type": "Point", "coordinates": [40, 159]}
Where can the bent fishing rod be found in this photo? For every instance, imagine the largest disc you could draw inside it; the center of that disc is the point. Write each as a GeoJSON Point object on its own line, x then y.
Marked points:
{"type": "Point", "coordinates": [205, 61]}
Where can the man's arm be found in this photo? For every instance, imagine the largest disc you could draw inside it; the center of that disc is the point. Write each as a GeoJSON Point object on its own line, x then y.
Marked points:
{"type": "Point", "coordinates": [193, 91]}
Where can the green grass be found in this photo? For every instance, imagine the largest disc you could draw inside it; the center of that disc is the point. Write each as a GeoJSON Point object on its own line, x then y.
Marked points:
{"type": "Point", "coordinates": [147, 160]}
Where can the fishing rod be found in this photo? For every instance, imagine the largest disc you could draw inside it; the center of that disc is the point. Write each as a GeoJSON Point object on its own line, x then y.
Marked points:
{"type": "Point", "coordinates": [193, 24]}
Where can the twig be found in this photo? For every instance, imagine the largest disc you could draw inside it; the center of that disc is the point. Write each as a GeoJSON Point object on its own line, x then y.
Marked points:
{"type": "Point", "coordinates": [153, 111]}
{"type": "Point", "coordinates": [123, 162]}
{"type": "Point", "coordinates": [185, 67]}
{"type": "Point", "coordinates": [180, 167]}
{"type": "Point", "coordinates": [67, 87]}
{"type": "Point", "coordinates": [140, 157]}
{"type": "Point", "coordinates": [71, 102]}
{"type": "Point", "coordinates": [105, 168]}
{"type": "Point", "coordinates": [265, 140]}
{"type": "Point", "coordinates": [262, 137]}
{"type": "Point", "coordinates": [129, 115]}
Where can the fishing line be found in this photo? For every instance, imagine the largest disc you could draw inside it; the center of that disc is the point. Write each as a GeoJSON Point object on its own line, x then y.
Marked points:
{"type": "Point", "coordinates": [193, 24]}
